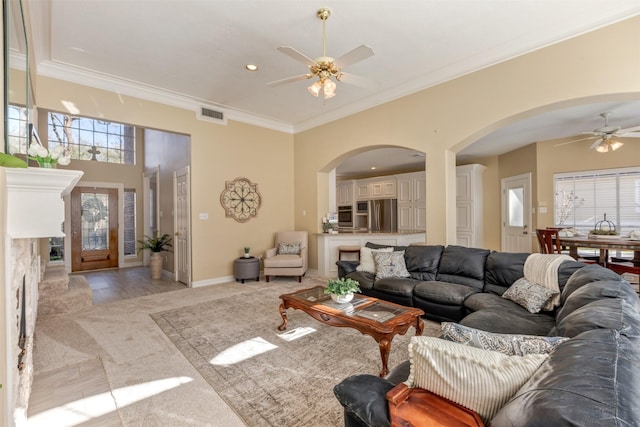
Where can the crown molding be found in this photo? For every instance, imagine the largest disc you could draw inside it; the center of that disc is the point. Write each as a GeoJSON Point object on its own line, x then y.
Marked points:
{"type": "Point", "coordinates": [121, 86]}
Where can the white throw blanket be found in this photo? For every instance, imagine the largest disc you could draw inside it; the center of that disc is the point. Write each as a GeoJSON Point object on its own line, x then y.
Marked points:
{"type": "Point", "coordinates": [543, 270]}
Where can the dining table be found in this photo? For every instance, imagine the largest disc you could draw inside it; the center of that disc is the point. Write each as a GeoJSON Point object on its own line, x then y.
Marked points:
{"type": "Point", "coordinates": [604, 244]}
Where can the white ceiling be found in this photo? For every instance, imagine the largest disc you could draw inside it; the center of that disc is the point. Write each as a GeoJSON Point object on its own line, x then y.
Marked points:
{"type": "Point", "coordinates": [193, 52]}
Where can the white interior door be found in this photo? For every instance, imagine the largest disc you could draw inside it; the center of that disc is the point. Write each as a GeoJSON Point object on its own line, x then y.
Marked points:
{"type": "Point", "coordinates": [516, 214]}
{"type": "Point", "coordinates": [182, 246]}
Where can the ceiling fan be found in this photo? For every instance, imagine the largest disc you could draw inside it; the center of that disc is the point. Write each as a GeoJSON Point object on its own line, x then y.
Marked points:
{"type": "Point", "coordinates": [326, 67]}
{"type": "Point", "coordinates": [605, 135]}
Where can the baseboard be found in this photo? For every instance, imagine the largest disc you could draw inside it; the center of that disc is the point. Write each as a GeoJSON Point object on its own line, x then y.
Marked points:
{"type": "Point", "coordinates": [214, 281]}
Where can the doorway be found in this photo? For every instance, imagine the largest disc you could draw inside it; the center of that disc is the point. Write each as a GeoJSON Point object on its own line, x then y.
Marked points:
{"type": "Point", "coordinates": [516, 213]}
{"type": "Point", "coordinates": [182, 245]}
{"type": "Point", "coordinates": [94, 228]}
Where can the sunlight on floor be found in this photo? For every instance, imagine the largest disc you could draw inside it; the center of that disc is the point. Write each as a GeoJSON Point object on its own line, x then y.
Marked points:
{"type": "Point", "coordinates": [243, 351]}
{"type": "Point", "coordinates": [83, 410]}
{"type": "Point", "coordinates": [296, 333]}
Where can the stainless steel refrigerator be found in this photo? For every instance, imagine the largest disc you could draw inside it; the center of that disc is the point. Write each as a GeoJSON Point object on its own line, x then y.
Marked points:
{"type": "Point", "coordinates": [383, 215]}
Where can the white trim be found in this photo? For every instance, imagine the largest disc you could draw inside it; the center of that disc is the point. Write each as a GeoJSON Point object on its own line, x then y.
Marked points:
{"type": "Point", "coordinates": [78, 75]}
{"type": "Point", "coordinates": [214, 281]}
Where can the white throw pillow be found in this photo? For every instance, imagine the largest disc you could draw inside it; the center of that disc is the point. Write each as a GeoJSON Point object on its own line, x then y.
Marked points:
{"type": "Point", "coordinates": [481, 380]}
{"type": "Point", "coordinates": [366, 259]}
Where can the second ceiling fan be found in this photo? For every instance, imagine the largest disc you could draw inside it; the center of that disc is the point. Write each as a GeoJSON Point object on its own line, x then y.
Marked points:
{"type": "Point", "coordinates": [325, 67]}
{"type": "Point", "coordinates": [604, 136]}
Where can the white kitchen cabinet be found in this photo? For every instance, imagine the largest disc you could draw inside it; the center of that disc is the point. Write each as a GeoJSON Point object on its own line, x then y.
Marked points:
{"type": "Point", "coordinates": [344, 193]}
{"type": "Point", "coordinates": [469, 205]}
{"type": "Point", "coordinates": [412, 209]}
{"type": "Point", "coordinates": [376, 188]}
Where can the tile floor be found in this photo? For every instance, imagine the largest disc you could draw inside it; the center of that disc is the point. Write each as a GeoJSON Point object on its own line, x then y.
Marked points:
{"type": "Point", "coordinates": [74, 392]}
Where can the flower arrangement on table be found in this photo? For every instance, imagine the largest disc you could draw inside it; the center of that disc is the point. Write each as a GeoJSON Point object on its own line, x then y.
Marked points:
{"type": "Point", "coordinates": [46, 158]}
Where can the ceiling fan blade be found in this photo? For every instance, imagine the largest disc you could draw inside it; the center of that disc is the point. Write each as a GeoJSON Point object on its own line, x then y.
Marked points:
{"type": "Point", "coordinates": [598, 142]}
{"type": "Point", "coordinates": [300, 57]}
{"type": "Point", "coordinates": [575, 140]}
{"type": "Point", "coordinates": [632, 132]}
{"type": "Point", "coordinates": [353, 56]}
{"type": "Point", "coordinates": [288, 80]}
{"type": "Point", "coordinates": [359, 81]}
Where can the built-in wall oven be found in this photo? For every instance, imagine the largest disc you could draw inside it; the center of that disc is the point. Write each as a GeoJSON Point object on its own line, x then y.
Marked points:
{"type": "Point", "coordinates": [345, 216]}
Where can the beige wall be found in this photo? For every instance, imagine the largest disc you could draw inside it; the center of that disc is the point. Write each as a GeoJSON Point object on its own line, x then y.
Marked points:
{"type": "Point", "coordinates": [218, 154]}
{"type": "Point", "coordinates": [444, 119]}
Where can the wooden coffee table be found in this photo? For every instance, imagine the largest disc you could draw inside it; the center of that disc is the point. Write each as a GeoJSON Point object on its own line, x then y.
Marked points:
{"type": "Point", "coordinates": [380, 319]}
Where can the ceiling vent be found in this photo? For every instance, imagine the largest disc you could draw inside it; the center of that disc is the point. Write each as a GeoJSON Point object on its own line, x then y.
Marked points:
{"type": "Point", "coordinates": [210, 115]}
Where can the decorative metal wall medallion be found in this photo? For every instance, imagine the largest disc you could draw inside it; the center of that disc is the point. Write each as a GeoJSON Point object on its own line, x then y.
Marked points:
{"type": "Point", "coordinates": [240, 199]}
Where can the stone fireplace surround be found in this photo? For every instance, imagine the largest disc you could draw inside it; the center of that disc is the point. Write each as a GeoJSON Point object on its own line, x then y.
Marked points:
{"type": "Point", "coordinates": [34, 210]}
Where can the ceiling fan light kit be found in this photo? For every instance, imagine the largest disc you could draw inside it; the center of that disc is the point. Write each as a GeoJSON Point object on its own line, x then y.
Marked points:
{"type": "Point", "coordinates": [604, 136]}
{"type": "Point", "coordinates": [325, 68]}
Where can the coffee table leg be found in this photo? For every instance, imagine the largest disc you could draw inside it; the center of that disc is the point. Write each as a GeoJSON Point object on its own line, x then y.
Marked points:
{"type": "Point", "coordinates": [283, 313]}
{"type": "Point", "coordinates": [419, 326]}
{"type": "Point", "coordinates": [385, 348]}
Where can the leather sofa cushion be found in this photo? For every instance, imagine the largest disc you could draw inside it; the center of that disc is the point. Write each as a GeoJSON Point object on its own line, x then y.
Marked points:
{"type": "Point", "coordinates": [610, 313]}
{"type": "Point", "coordinates": [463, 265]}
{"type": "Point", "coordinates": [502, 269]}
{"type": "Point", "coordinates": [587, 274]}
{"type": "Point", "coordinates": [592, 379]}
{"type": "Point", "coordinates": [365, 278]}
{"type": "Point", "coordinates": [486, 300]}
{"type": "Point", "coordinates": [379, 246]}
{"type": "Point", "coordinates": [423, 259]}
{"type": "Point", "coordinates": [596, 291]}
{"type": "Point", "coordinates": [566, 270]}
{"type": "Point", "coordinates": [443, 292]}
{"type": "Point", "coordinates": [499, 322]}
{"type": "Point", "coordinates": [396, 285]}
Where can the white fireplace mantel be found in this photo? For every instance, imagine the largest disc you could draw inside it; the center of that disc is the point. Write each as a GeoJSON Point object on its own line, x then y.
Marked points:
{"type": "Point", "coordinates": [34, 200]}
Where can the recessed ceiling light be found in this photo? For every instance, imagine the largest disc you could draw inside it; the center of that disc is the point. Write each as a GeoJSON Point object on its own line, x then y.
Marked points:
{"type": "Point", "coordinates": [251, 67]}
{"type": "Point", "coordinates": [373, 168]}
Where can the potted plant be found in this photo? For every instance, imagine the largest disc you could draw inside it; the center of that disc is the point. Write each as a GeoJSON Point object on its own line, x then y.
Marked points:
{"type": "Point", "coordinates": [156, 245]}
{"type": "Point", "coordinates": [342, 290]}
{"type": "Point", "coordinates": [246, 251]}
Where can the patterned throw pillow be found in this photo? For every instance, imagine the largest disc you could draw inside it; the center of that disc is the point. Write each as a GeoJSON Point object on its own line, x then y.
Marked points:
{"type": "Point", "coordinates": [531, 296]}
{"type": "Point", "coordinates": [366, 259]}
{"type": "Point", "coordinates": [509, 344]}
{"type": "Point", "coordinates": [481, 380]}
{"type": "Point", "coordinates": [390, 264]}
{"type": "Point", "coordinates": [289, 248]}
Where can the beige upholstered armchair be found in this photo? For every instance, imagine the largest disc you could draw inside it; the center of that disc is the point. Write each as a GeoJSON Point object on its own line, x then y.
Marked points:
{"type": "Point", "coordinates": [288, 257]}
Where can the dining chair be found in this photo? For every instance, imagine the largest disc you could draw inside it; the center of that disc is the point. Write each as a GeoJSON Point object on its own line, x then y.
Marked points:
{"type": "Point", "coordinates": [548, 240]}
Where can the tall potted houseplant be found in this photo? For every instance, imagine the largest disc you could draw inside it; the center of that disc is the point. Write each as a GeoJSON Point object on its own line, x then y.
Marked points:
{"type": "Point", "coordinates": [156, 245]}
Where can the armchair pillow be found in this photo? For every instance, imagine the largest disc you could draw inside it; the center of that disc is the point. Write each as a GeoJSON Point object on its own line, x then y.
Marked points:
{"type": "Point", "coordinates": [366, 259]}
{"type": "Point", "coordinates": [289, 248]}
{"type": "Point", "coordinates": [390, 264]}
{"type": "Point", "coordinates": [508, 344]}
{"type": "Point", "coordinates": [530, 295]}
{"type": "Point", "coordinates": [481, 380]}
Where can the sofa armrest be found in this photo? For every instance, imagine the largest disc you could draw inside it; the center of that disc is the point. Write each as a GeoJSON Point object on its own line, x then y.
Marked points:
{"type": "Point", "coordinates": [415, 406]}
{"type": "Point", "coordinates": [346, 267]}
{"type": "Point", "coordinates": [364, 399]}
{"type": "Point", "coordinates": [270, 252]}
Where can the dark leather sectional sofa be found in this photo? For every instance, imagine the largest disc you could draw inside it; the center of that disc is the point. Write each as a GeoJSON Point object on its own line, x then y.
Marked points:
{"type": "Point", "coordinates": [593, 379]}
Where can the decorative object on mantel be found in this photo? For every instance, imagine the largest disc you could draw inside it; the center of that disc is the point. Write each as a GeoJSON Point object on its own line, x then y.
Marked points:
{"type": "Point", "coordinates": [9, 161]}
{"type": "Point", "coordinates": [604, 229]}
{"type": "Point", "coordinates": [45, 158]}
{"type": "Point", "coordinates": [240, 199]}
{"type": "Point", "coordinates": [156, 245]}
{"type": "Point", "coordinates": [342, 290]}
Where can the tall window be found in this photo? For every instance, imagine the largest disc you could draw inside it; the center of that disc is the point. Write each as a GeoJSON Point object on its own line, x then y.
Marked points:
{"type": "Point", "coordinates": [583, 198]}
{"type": "Point", "coordinates": [129, 222]}
{"type": "Point", "coordinates": [17, 129]}
{"type": "Point", "coordinates": [91, 139]}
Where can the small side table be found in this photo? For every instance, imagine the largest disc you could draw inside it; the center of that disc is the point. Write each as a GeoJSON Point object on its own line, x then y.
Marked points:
{"type": "Point", "coordinates": [246, 268]}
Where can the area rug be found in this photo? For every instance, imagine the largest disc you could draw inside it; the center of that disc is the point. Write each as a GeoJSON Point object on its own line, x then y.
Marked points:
{"type": "Point", "coordinates": [268, 378]}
